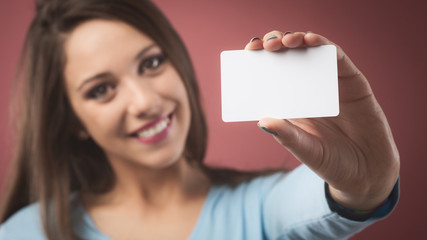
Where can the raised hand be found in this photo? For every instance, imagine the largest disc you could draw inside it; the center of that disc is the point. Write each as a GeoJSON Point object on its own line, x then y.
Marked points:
{"type": "Point", "coordinates": [354, 152]}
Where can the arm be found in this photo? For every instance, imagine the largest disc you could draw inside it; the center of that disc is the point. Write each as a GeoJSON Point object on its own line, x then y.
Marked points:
{"type": "Point", "coordinates": [295, 207]}
{"type": "Point", "coordinates": [355, 152]}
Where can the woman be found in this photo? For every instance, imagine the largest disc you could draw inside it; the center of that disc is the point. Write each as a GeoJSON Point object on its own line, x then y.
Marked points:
{"type": "Point", "coordinates": [112, 139]}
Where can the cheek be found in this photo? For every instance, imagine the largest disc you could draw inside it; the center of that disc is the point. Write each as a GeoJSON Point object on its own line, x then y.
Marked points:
{"type": "Point", "coordinates": [98, 120]}
{"type": "Point", "coordinates": [172, 86]}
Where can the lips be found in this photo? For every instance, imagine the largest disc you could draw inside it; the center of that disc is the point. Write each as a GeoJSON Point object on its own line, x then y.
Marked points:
{"type": "Point", "coordinates": [155, 131]}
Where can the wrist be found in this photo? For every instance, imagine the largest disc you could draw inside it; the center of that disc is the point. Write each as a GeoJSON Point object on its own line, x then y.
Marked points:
{"type": "Point", "coordinates": [361, 201]}
{"type": "Point", "coordinates": [364, 196]}
{"type": "Point", "coordinates": [383, 209]}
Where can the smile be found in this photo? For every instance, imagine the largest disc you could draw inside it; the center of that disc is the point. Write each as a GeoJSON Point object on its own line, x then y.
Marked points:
{"type": "Point", "coordinates": [156, 131]}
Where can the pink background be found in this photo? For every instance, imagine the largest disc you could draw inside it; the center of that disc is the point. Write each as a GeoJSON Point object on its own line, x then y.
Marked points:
{"type": "Point", "coordinates": [386, 40]}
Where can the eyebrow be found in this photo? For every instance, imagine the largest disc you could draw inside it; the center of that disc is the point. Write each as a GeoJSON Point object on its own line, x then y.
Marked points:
{"type": "Point", "coordinates": [106, 74]}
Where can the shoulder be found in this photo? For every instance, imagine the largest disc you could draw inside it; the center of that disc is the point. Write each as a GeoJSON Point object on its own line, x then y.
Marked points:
{"type": "Point", "coordinates": [24, 224]}
{"type": "Point", "coordinates": [256, 186]}
{"type": "Point", "coordinates": [298, 176]}
{"type": "Point", "coordinates": [261, 186]}
{"type": "Point", "coordinates": [237, 212]}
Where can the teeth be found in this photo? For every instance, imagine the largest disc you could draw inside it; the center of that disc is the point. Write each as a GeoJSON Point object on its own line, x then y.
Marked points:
{"type": "Point", "coordinates": [160, 126]}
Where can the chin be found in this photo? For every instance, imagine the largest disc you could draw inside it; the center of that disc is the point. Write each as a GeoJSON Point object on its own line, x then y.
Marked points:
{"type": "Point", "coordinates": [163, 160]}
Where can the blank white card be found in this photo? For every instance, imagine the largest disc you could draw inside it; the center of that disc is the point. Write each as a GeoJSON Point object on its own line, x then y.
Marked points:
{"type": "Point", "coordinates": [293, 83]}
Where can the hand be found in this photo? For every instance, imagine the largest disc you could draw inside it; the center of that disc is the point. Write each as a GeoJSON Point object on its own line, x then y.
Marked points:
{"type": "Point", "coordinates": [354, 152]}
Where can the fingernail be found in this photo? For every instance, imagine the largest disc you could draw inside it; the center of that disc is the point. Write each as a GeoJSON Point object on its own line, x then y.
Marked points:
{"type": "Point", "coordinates": [287, 32]}
{"type": "Point", "coordinates": [271, 37]}
{"type": "Point", "coordinates": [309, 32]}
{"type": "Point", "coordinates": [267, 131]}
{"type": "Point", "coordinates": [254, 39]}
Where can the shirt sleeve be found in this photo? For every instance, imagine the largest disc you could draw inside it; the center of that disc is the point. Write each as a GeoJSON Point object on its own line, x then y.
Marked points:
{"type": "Point", "coordinates": [295, 207]}
{"type": "Point", "coordinates": [23, 225]}
{"type": "Point", "coordinates": [2, 232]}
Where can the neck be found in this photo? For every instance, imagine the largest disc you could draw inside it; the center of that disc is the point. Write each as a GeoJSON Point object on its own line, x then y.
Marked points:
{"type": "Point", "coordinates": [136, 185]}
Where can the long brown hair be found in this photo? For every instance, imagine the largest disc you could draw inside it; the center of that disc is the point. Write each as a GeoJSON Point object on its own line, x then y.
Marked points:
{"type": "Point", "coordinates": [50, 162]}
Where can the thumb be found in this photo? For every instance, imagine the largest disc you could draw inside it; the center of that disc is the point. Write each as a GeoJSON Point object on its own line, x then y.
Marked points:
{"type": "Point", "coordinates": [306, 147]}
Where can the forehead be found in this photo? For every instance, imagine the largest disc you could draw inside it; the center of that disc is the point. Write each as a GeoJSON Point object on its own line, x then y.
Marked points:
{"type": "Point", "coordinates": [98, 44]}
{"type": "Point", "coordinates": [94, 35]}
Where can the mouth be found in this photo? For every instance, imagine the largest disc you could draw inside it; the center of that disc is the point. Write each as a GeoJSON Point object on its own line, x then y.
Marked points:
{"type": "Point", "coordinates": [155, 131]}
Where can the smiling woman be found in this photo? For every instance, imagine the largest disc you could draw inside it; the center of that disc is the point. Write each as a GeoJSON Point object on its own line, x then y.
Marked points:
{"type": "Point", "coordinates": [112, 139]}
{"type": "Point", "coordinates": [126, 101]}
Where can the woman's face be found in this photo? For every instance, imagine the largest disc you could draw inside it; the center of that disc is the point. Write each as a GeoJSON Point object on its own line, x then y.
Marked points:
{"type": "Point", "coordinates": [129, 98]}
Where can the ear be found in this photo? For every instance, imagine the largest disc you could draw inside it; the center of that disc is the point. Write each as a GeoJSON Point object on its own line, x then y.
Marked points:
{"type": "Point", "coordinates": [83, 135]}
{"type": "Point", "coordinates": [77, 129]}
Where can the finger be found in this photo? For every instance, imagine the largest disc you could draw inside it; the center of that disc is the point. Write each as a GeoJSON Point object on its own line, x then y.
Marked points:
{"type": "Point", "coordinates": [254, 44]}
{"type": "Point", "coordinates": [306, 147]}
{"type": "Point", "coordinates": [350, 76]}
{"type": "Point", "coordinates": [313, 39]}
{"type": "Point", "coordinates": [272, 41]}
{"type": "Point", "coordinates": [346, 68]}
{"type": "Point", "coordinates": [294, 40]}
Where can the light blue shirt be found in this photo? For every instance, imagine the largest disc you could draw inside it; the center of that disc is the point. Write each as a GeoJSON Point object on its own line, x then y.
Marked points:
{"type": "Point", "coordinates": [280, 206]}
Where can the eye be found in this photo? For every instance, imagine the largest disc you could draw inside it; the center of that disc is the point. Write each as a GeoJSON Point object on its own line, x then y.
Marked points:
{"type": "Point", "coordinates": [151, 63]}
{"type": "Point", "coordinates": [100, 91]}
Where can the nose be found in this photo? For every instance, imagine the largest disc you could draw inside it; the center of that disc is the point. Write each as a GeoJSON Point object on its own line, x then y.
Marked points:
{"type": "Point", "coordinates": [143, 99]}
